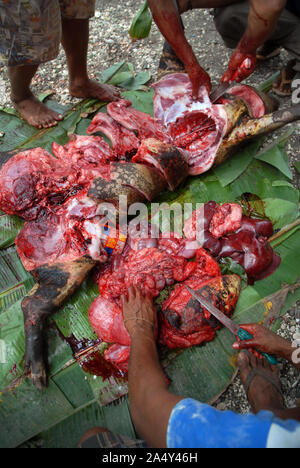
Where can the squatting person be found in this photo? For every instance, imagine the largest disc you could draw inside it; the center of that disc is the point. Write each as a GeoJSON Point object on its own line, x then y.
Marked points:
{"type": "Point", "coordinates": [243, 25]}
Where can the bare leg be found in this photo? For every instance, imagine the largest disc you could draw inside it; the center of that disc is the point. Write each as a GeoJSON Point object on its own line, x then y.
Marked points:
{"type": "Point", "coordinates": [75, 37]}
{"type": "Point", "coordinates": [31, 109]}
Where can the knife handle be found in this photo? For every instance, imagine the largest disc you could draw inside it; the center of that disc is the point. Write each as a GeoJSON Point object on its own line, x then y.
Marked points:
{"type": "Point", "coordinates": [244, 335]}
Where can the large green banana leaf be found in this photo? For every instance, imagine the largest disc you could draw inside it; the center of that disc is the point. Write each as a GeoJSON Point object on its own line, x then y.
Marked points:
{"type": "Point", "coordinates": [78, 398]}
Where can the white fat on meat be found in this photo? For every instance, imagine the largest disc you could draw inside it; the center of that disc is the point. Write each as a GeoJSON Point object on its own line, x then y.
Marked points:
{"type": "Point", "coordinates": [93, 232]}
{"type": "Point", "coordinates": [195, 126]}
{"type": "Point", "coordinates": [173, 98]}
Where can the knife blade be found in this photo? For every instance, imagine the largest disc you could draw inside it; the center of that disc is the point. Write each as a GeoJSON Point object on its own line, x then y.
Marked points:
{"type": "Point", "coordinates": [220, 91]}
{"type": "Point", "coordinates": [228, 323]}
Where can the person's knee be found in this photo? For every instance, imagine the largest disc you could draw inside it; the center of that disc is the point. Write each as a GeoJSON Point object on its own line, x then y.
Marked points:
{"type": "Point", "coordinates": [231, 22]}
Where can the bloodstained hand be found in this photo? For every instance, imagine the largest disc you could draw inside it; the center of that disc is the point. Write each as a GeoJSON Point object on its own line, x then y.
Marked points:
{"type": "Point", "coordinates": [198, 77]}
{"type": "Point", "coordinates": [139, 313]}
{"type": "Point", "coordinates": [263, 340]}
{"type": "Point", "coordinates": [241, 66]}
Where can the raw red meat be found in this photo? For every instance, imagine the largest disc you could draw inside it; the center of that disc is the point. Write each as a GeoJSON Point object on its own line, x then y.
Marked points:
{"type": "Point", "coordinates": [118, 355]}
{"type": "Point", "coordinates": [123, 140]}
{"type": "Point", "coordinates": [254, 254]}
{"type": "Point", "coordinates": [260, 227]}
{"type": "Point", "coordinates": [184, 322]}
{"type": "Point", "coordinates": [199, 221]}
{"type": "Point", "coordinates": [197, 127]}
{"type": "Point", "coordinates": [226, 219]}
{"type": "Point", "coordinates": [34, 180]}
{"type": "Point", "coordinates": [168, 160]}
{"type": "Point", "coordinates": [28, 179]}
{"type": "Point", "coordinates": [72, 231]}
{"type": "Point", "coordinates": [150, 269]}
{"type": "Point", "coordinates": [173, 98]}
{"type": "Point", "coordinates": [132, 119]}
{"type": "Point", "coordinates": [82, 150]}
{"type": "Point", "coordinates": [107, 321]}
{"type": "Point", "coordinates": [254, 102]}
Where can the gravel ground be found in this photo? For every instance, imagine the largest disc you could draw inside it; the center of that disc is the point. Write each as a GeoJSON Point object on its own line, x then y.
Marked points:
{"type": "Point", "coordinates": [110, 43]}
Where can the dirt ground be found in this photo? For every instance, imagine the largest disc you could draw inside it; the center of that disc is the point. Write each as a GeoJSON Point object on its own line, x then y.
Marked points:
{"type": "Point", "coordinates": [110, 43]}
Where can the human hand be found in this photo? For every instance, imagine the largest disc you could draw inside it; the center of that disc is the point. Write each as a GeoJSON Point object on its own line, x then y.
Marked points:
{"type": "Point", "coordinates": [241, 66]}
{"type": "Point", "coordinates": [263, 340]}
{"type": "Point", "coordinates": [198, 77]}
{"type": "Point", "coordinates": [139, 313]}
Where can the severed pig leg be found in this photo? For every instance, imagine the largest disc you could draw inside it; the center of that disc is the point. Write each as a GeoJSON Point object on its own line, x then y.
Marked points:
{"type": "Point", "coordinates": [55, 284]}
{"type": "Point", "coordinates": [255, 128]}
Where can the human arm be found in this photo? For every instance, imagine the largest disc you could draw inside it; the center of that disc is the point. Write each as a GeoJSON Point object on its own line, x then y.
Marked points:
{"type": "Point", "coordinates": [150, 401]}
{"type": "Point", "coordinates": [268, 342]}
{"type": "Point", "coordinates": [262, 21]}
{"type": "Point", "coordinates": [167, 17]}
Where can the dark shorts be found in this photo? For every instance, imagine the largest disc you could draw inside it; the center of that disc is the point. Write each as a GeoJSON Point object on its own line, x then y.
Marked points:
{"type": "Point", "coordinates": [231, 22]}
{"type": "Point", "coordinates": [30, 31]}
{"type": "Point", "coordinates": [293, 6]}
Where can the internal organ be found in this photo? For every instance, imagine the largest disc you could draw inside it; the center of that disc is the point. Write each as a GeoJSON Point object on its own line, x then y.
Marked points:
{"type": "Point", "coordinates": [224, 232]}
{"type": "Point", "coordinates": [152, 269]}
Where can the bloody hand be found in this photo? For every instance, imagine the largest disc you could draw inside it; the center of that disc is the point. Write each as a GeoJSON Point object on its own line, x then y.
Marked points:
{"type": "Point", "coordinates": [198, 77]}
{"type": "Point", "coordinates": [263, 340]}
{"type": "Point", "coordinates": [240, 67]}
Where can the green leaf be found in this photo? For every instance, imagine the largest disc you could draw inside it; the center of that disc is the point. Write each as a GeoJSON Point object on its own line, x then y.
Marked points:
{"type": "Point", "coordinates": [111, 71]}
{"type": "Point", "coordinates": [235, 166]}
{"type": "Point", "coordinates": [267, 85]}
{"type": "Point", "coordinates": [136, 82]}
{"type": "Point", "coordinates": [120, 78]}
{"type": "Point", "coordinates": [141, 100]}
{"type": "Point", "coordinates": [72, 319]}
{"type": "Point", "coordinates": [10, 110]}
{"type": "Point", "coordinates": [43, 96]}
{"type": "Point", "coordinates": [16, 131]}
{"type": "Point", "coordinates": [141, 25]}
{"type": "Point", "coordinates": [67, 433]}
{"type": "Point", "coordinates": [15, 281]}
{"type": "Point", "coordinates": [26, 411]}
{"type": "Point", "coordinates": [229, 266]}
{"type": "Point", "coordinates": [10, 226]}
{"type": "Point", "coordinates": [276, 155]}
{"type": "Point", "coordinates": [281, 212]}
{"type": "Point", "coordinates": [297, 166]}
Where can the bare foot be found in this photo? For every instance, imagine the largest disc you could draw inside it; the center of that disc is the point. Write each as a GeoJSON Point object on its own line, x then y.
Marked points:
{"type": "Point", "coordinates": [283, 86]}
{"type": "Point", "coordinates": [36, 113]}
{"type": "Point", "coordinates": [93, 89]}
{"type": "Point", "coordinates": [261, 383]}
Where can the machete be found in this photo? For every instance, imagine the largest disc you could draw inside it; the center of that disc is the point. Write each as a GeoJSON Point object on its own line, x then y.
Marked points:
{"type": "Point", "coordinates": [230, 324]}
